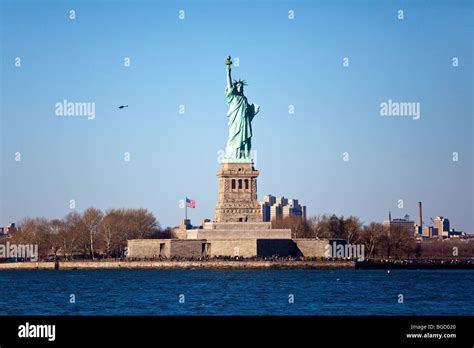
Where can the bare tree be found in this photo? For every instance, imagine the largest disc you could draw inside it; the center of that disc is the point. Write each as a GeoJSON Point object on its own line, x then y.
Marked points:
{"type": "Point", "coordinates": [92, 218]}
{"type": "Point", "coordinates": [34, 231]}
{"type": "Point", "coordinates": [400, 242]}
{"type": "Point", "coordinates": [320, 226]}
{"type": "Point", "coordinates": [110, 229]}
{"type": "Point", "coordinates": [336, 227]}
{"type": "Point", "coordinates": [300, 228]}
{"type": "Point", "coordinates": [371, 236]}
{"type": "Point", "coordinates": [71, 233]}
{"type": "Point", "coordinates": [143, 223]}
{"type": "Point", "coordinates": [119, 225]}
{"type": "Point", "coordinates": [55, 226]}
{"type": "Point", "coordinates": [352, 229]}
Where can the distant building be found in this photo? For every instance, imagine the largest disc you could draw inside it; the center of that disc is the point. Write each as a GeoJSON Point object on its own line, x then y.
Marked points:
{"type": "Point", "coordinates": [442, 224]}
{"type": "Point", "coordinates": [275, 208]}
{"type": "Point", "coordinates": [456, 234]}
{"type": "Point", "coordinates": [404, 223]}
{"type": "Point", "coordinates": [441, 228]}
{"type": "Point", "coordinates": [7, 230]}
{"type": "Point", "coordinates": [429, 232]}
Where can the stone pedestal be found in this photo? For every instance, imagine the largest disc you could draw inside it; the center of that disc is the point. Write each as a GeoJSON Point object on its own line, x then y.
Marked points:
{"type": "Point", "coordinates": [238, 194]}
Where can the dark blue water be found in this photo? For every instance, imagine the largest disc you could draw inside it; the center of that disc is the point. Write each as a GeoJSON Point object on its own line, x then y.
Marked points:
{"type": "Point", "coordinates": [223, 292]}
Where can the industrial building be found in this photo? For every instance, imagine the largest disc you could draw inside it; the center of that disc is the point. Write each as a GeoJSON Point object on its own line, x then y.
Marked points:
{"type": "Point", "coordinates": [404, 223]}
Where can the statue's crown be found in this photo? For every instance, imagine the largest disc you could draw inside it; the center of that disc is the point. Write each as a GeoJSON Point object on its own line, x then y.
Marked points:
{"type": "Point", "coordinates": [241, 82]}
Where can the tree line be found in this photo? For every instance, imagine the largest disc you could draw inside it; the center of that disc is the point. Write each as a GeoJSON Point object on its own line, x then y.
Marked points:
{"type": "Point", "coordinates": [97, 234]}
{"type": "Point", "coordinates": [88, 235]}
{"type": "Point", "coordinates": [379, 241]}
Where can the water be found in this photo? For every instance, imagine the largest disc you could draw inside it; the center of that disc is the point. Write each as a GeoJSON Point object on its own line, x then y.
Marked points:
{"type": "Point", "coordinates": [249, 292]}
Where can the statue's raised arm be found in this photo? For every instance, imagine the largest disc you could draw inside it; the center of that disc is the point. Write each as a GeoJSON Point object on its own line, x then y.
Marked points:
{"type": "Point", "coordinates": [228, 63]}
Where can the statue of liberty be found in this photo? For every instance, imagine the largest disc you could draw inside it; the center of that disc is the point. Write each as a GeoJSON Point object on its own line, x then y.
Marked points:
{"type": "Point", "coordinates": [240, 116]}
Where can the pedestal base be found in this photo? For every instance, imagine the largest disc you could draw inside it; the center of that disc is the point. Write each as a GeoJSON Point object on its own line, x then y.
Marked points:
{"type": "Point", "coordinates": [238, 194]}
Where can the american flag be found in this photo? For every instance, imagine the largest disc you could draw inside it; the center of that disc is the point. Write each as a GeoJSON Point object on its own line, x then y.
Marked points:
{"type": "Point", "coordinates": [190, 203]}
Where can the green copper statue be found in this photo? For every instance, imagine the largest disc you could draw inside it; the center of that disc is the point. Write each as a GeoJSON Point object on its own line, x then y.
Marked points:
{"type": "Point", "coordinates": [240, 116]}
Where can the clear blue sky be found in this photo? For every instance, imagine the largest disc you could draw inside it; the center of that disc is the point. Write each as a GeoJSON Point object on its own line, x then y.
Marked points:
{"type": "Point", "coordinates": [284, 61]}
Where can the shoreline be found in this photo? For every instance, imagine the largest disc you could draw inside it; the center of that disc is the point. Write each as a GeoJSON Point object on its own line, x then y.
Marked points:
{"type": "Point", "coordinates": [230, 264]}
{"type": "Point", "coordinates": [218, 264]}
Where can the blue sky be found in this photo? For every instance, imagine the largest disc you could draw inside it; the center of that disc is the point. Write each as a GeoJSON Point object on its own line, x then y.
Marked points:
{"type": "Point", "coordinates": [298, 62]}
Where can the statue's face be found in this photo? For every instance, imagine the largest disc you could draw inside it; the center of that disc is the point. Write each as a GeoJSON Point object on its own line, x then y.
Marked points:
{"type": "Point", "coordinates": [240, 88]}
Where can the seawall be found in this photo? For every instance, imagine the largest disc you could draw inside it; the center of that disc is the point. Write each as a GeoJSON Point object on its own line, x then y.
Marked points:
{"type": "Point", "coordinates": [91, 265]}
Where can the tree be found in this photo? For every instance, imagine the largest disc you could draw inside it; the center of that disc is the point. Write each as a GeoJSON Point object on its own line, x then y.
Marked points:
{"type": "Point", "coordinates": [70, 234]}
{"type": "Point", "coordinates": [120, 225]}
{"type": "Point", "coordinates": [34, 231]}
{"type": "Point", "coordinates": [110, 229]}
{"type": "Point", "coordinates": [371, 236]}
{"type": "Point", "coordinates": [54, 228]}
{"type": "Point", "coordinates": [92, 218]}
{"type": "Point", "coordinates": [325, 226]}
{"type": "Point", "coordinates": [336, 227]}
{"type": "Point", "coordinates": [401, 242]}
{"type": "Point", "coordinates": [91, 232]}
{"type": "Point", "coordinates": [352, 229]}
{"type": "Point", "coordinates": [143, 223]}
{"type": "Point", "coordinates": [320, 226]}
{"type": "Point", "coordinates": [300, 228]}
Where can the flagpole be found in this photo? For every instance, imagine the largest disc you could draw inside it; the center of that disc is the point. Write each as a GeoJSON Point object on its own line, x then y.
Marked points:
{"type": "Point", "coordinates": [186, 208]}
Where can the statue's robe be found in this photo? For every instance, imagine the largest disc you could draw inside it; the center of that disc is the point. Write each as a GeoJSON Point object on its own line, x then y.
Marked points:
{"type": "Point", "coordinates": [240, 116]}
